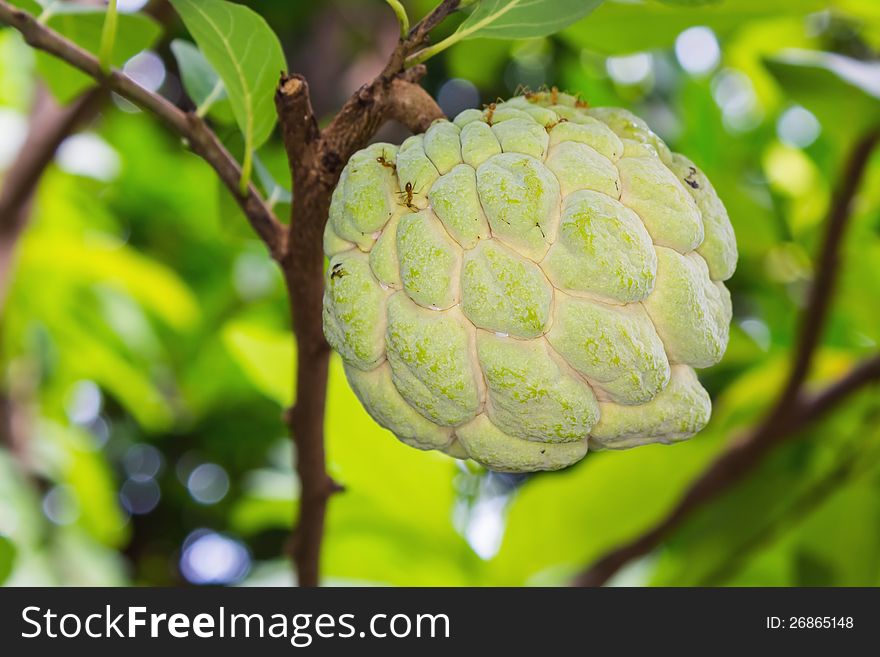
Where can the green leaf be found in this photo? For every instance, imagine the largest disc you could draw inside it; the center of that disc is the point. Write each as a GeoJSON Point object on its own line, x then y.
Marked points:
{"type": "Point", "coordinates": [252, 515]}
{"type": "Point", "coordinates": [201, 82]}
{"type": "Point", "coordinates": [69, 457]}
{"type": "Point", "coordinates": [690, 3]}
{"type": "Point", "coordinates": [560, 522]}
{"type": "Point", "coordinates": [275, 192]}
{"type": "Point", "coordinates": [266, 356]}
{"type": "Point", "coordinates": [843, 93]}
{"type": "Point", "coordinates": [512, 19]}
{"type": "Point", "coordinates": [523, 19]}
{"type": "Point", "coordinates": [104, 261]}
{"type": "Point", "coordinates": [630, 26]}
{"type": "Point", "coordinates": [7, 558]}
{"type": "Point", "coordinates": [247, 55]}
{"type": "Point", "coordinates": [85, 27]}
{"type": "Point", "coordinates": [30, 6]}
{"type": "Point", "coordinates": [129, 383]}
{"type": "Point", "coordinates": [394, 523]}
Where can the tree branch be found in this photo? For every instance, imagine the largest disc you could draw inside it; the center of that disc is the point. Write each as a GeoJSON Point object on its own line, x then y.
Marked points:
{"type": "Point", "coordinates": [856, 462]}
{"type": "Point", "coordinates": [201, 138]}
{"type": "Point", "coordinates": [316, 159]}
{"type": "Point", "coordinates": [828, 265]}
{"type": "Point", "coordinates": [396, 97]}
{"type": "Point", "coordinates": [736, 461]}
{"type": "Point", "coordinates": [418, 36]}
{"type": "Point", "coordinates": [794, 409]}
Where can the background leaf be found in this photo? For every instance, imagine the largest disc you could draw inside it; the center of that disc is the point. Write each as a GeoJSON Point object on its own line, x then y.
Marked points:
{"type": "Point", "coordinates": [201, 80]}
{"type": "Point", "coordinates": [622, 26]}
{"type": "Point", "coordinates": [7, 558]}
{"type": "Point", "coordinates": [30, 6]}
{"type": "Point", "coordinates": [265, 356]}
{"type": "Point", "coordinates": [246, 54]}
{"type": "Point", "coordinates": [84, 27]}
{"type": "Point", "coordinates": [843, 93]}
{"type": "Point", "coordinates": [523, 19]}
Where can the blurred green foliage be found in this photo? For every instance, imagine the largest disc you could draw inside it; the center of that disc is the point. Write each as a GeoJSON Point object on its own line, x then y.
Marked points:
{"type": "Point", "coordinates": [146, 341]}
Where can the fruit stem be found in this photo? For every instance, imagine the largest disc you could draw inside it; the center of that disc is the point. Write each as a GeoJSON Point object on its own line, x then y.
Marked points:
{"type": "Point", "coordinates": [402, 19]}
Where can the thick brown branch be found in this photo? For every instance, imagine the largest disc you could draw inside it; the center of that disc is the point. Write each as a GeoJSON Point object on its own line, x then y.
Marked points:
{"type": "Point", "coordinates": [397, 97]}
{"type": "Point", "coordinates": [793, 410]}
{"type": "Point", "coordinates": [303, 270]}
{"type": "Point", "coordinates": [316, 160]}
{"type": "Point", "coordinates": [200, 137]}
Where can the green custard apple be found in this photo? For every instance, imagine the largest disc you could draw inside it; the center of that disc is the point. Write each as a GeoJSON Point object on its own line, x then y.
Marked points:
{"type": "Point", "coordinates": [528, 281]}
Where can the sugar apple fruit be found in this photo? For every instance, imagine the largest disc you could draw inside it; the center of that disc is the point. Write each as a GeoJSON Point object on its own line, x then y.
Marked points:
{"type": "Point", "coordinates": [529, 280]}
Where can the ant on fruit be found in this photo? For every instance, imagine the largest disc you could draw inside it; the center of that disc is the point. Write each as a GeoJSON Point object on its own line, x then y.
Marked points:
{"type": "Point", "coordinates": [408, 194]}
{"type": "Point", "coordinates": [385, 163]}
{"type": "Point", "coordinates": [337, 271]}
{"type": "Point", "coordinates": [490, 113]}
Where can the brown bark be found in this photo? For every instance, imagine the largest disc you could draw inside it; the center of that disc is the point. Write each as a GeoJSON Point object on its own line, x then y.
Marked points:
{"type": "Point", "coordinates": [316, 160]}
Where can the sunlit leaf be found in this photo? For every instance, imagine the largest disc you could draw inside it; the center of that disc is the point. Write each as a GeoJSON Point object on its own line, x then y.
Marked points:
{"type": "Point", "coordinates": [393, 523]}
{"type": "Point", "coordinates": [252, 515]}
{"type": "Point", "coordinates": [7, 558]}
{"type": "Point", "coordinates": [129, 383]}
{"type": "Point", "coordinates": [246, 54]}
{"type": "Point", "coordinates": [266, 357]}
{"type": "Point", "coordinates": [796, 501]}
{"type": "Point", "coordinates": [107, 262]}
{"type": "Point", "coordinates": [77, 464]}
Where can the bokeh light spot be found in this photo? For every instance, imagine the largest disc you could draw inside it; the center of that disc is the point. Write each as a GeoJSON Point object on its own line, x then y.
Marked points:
{"type": "Point", "coordinates": [630, 69]}
{"type": "Point", "coordinates": [697, 50]}
{"type": "Point", "coordinates": [798, 127]}
{"type": "Point", "coordinates": [208, 483]}
{"type": "Point", "coordinates": [211, 558]}
{"type": "Point", "coordinates": [140, 497]}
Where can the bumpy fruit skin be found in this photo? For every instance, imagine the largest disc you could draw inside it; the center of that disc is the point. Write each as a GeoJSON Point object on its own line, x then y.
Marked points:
{"type": "Point", "coordinates": [527, 281]}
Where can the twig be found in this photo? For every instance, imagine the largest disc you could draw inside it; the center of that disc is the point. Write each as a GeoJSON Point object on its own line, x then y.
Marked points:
{"type": "Point", "coordinates": [828, 264]}
{"type": "Point", "coordinates": [794, 408]}
{"type": "Point", "coordinates": [418, 36]}
{"type": "Point", "coordinates": [201, 138]}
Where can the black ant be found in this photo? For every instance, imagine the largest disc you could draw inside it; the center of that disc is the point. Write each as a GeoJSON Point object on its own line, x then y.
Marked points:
{"type": "Point", "coordinates": [337, 271]}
